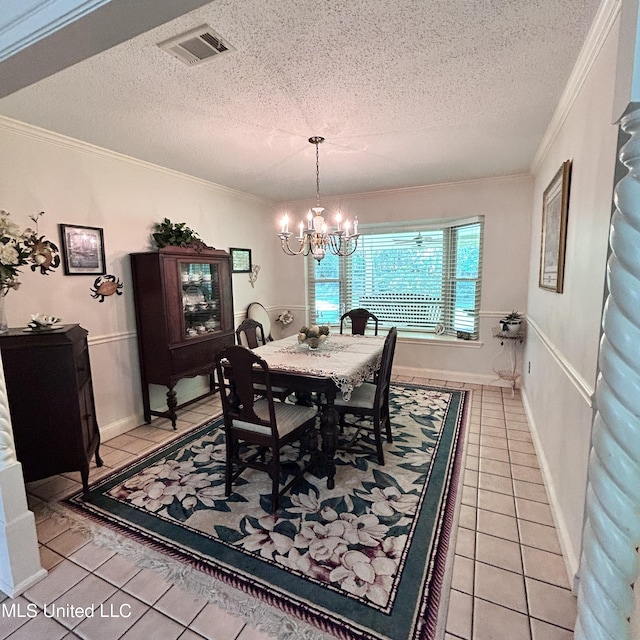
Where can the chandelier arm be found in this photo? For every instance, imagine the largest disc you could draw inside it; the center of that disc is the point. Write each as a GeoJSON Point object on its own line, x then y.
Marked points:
{"type": "Point", "coordinates": [303, 248]}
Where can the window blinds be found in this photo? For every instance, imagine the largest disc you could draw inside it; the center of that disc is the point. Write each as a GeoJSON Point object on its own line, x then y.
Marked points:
{"type": "Point", "coordinates": [419, 280]}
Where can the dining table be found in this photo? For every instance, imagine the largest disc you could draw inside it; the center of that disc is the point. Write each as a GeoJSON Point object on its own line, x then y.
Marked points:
{"type": "Point", "coordinates": [341, 363]}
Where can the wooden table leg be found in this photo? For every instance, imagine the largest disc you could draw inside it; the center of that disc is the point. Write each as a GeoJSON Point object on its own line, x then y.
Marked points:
{"type": "Point", "coordinates": [329, 432]}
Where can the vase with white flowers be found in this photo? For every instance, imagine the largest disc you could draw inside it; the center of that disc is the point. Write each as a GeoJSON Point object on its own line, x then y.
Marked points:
{"type": "Point", "coordinates": [19, 248]}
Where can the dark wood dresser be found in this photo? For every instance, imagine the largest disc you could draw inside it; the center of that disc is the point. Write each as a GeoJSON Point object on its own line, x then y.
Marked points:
{"type": "Point", "coordinates": [48, 377]}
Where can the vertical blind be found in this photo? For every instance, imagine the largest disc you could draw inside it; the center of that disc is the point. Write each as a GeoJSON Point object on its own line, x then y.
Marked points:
{"type": "Point", "coordinates": [421, 279]}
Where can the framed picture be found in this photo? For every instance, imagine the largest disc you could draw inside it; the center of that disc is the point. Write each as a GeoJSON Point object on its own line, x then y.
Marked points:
{"type": "Point", "coordinates": [240, 260]}
{"type": "Point", "coordinates": [82, 250]}
{"type": "Point", "coordinates": [555, 209]}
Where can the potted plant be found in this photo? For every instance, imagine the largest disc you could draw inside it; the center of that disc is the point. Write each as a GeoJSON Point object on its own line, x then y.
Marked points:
{"type": "Point", "coordinates": [511, 322]}
{"type": "Point", "coordinates": [170, 234]}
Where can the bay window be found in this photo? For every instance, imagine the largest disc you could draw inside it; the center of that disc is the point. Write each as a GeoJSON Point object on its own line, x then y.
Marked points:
{"type": "Point", "coordinates": [422, 278]}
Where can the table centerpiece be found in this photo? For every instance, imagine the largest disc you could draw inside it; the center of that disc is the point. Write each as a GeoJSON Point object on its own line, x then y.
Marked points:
{"type": "Point", "coordinates": [313, 336]}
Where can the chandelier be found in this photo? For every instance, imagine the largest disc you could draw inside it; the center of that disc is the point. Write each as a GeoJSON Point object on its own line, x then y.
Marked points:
{"type": "Point", "coordinates": [316, 239]}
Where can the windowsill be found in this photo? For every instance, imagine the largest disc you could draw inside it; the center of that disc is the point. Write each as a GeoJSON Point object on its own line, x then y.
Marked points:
{"type": "Point", "coordinates": [418, 337]}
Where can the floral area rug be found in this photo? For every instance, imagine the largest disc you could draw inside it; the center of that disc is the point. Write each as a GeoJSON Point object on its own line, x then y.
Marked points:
{"type": "Point", "coordinates": [365, 560]}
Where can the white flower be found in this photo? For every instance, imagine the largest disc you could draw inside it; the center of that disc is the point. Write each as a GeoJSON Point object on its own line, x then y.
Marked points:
{"type": "Point", "coordinates": [363, 575]}
{"type": "Point", "coordinates": [19, 248]}
{"type": "Point", "coordinates": [385, 502]}
{"type": "Point", "coordinates": [365, 529]}
{"type": "Point", "coordinates": [326, 542]}
{"type": "Point", "coordinates": [304, 503]}
{"type": "Point", "coordinates": [208, 452]}
{"type": "Point", "coordinates": [8, 254]}
{"type": "Point", "coordinates": [154, 496]}
{"type": "Point", "coordinates": [296, 561]}
{"type": "Point", "coordinates": [265, 540]}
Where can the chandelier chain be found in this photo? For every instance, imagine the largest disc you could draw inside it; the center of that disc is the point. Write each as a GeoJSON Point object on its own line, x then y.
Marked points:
{"type": "Point", "coordinates": [317, 173]}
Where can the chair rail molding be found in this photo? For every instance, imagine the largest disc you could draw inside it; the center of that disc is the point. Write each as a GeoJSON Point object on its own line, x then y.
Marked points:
{"type": "Point", "coordinates": [585, 389]}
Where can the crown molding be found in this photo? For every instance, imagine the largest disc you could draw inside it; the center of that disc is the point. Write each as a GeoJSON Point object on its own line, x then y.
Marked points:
{"type": "Point", "coordinates": [43, 135]}
{"type": "Point", "coordinates": [602, 24]}
{"type": "Point", "coordinates": [37, 20]}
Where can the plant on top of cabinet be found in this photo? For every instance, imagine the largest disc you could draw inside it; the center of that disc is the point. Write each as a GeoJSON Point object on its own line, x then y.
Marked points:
{"type": "Point", "coordinates": [170, 234]}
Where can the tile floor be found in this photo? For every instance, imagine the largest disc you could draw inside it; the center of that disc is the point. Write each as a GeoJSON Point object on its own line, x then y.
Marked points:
{"type": "Point", "coordinates": [508, 581]}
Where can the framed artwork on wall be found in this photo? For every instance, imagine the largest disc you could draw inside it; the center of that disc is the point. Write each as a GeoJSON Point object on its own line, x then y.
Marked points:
{"type": "Point", "coordinates": [240, 260]}
{"type": "Point", "coordinates": [82, 250]}
{"type": "Point", "coordinates": [555, 209]}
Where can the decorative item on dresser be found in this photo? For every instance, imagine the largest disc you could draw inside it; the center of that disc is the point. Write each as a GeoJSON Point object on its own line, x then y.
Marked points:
{"type": "Point", "coordinates": [50, 391]}
{"type": "Point", "coordinates": [184, 315]}
{"type": "Point", "coordinates": [18, 248]}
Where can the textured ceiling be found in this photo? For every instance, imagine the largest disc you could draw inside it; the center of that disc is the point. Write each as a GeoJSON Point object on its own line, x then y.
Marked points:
{"type": "Point", "coordinates": [405, 92]}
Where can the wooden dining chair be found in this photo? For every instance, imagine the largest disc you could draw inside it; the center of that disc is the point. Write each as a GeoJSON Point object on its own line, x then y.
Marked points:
{"type": "Point", "coordinates": [359, 320]}
{"type": "Point", "coordinates": [250, 333]}
{"type": "Point", "coordinates": [371, 400]}
{"type": "Point", "coordinates": [253, 418]}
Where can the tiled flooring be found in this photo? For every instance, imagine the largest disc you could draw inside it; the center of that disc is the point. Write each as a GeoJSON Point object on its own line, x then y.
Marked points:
{"type": "Point", "coordinates": [508, 582]}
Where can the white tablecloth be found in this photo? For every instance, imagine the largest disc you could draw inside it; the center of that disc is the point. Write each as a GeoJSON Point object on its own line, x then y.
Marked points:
{"type": "Point", "coordinates": [348, 360]}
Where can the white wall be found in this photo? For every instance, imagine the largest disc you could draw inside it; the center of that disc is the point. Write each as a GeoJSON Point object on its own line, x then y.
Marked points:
{"type": "Point", "coordinates": [75, 183]}
{"type": "Point", "coordinates": [78, 184]}
{"type": "Point", "coordinates": [562, 344]}
{"type": "Point", "coordinates": [506, 206]}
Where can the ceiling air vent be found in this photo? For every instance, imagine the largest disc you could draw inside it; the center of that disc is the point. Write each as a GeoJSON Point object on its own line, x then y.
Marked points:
{"type": "Point", "coordinates": [196, 45]}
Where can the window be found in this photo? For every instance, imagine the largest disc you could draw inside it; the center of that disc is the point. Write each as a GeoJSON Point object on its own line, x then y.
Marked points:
{"type": "Point", "coordinates": [417, 279]}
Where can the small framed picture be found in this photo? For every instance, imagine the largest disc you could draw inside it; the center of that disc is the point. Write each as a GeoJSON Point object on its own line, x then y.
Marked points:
{"type": "Point", "coordinates": [240, 260]}
{"type": "Point", "coordinates": [555, 210]}
{"type": "Point", "coordinates": [82, 250]}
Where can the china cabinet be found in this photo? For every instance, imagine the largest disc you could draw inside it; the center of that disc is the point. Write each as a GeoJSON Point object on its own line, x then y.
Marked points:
{"type": "Point", "coordinates": [184, 316]}
{"type": "Point", "coordinates": [50, 394]}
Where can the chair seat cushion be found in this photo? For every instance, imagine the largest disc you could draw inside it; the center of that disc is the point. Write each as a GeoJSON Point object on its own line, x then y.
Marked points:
{"type": "Point", "coordinates": [275, 390]}
{"type": "Point", "coordinates": [362, 397]}
{"type": "Point", "coordinates": [288, 417]}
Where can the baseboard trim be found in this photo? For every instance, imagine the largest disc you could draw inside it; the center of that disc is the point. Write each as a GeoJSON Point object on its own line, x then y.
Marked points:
{"type": "Point", "coordinates": [119, 427]}
{"type": "Point", "coordinates": [571, 561]}
{"type": "Point", "coordinates": [453, 376]}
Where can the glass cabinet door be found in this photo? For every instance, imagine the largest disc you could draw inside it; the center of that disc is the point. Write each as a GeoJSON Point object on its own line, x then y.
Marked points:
{"type": "Point", "coordinates": [200, 298]}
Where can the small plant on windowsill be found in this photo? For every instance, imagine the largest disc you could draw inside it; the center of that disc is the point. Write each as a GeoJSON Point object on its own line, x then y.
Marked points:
{"type": "Point", "coordinates": [512, 322]}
